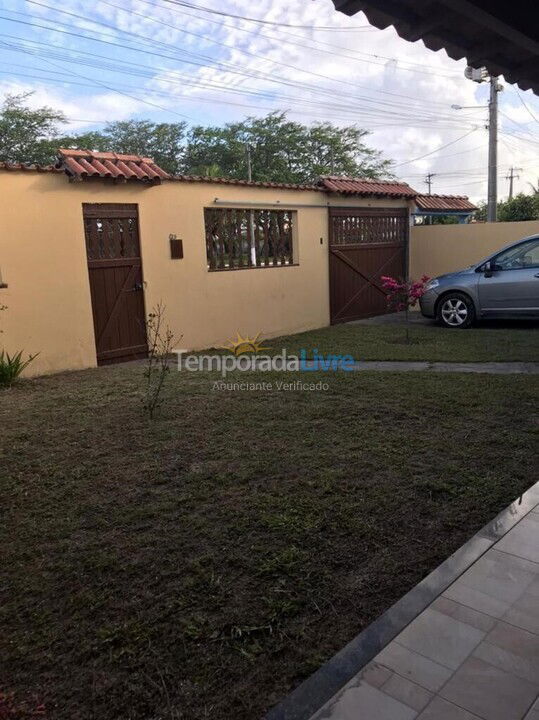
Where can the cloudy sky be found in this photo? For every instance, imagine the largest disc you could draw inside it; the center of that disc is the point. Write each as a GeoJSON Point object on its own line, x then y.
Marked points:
{"type": "Point", "coordinates": [212, 61]}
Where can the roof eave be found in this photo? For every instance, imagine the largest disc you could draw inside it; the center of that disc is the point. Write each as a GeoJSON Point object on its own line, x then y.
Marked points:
{"type": "Point", "coordinates": [463, 30]}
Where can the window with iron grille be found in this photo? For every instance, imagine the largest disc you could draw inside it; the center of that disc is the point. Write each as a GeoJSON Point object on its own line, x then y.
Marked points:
{"type": "Point", "coordinates": [240, 238]}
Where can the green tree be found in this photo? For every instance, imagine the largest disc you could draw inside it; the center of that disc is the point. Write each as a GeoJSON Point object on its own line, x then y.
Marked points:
{"type": "Point", "coordinates": [334, 150]}
{"type": "Point", "coordinates": [481, 213]}
{"type": "Point", "coordinates": [28, 135]}
{"type": "Point", "coordinates": [282, 150]}
{"type": "Point", "coordinates": [521, 207]}
{"type": "Point", "coordinates": [444, 220]}
{"type": "Point", "coordinates": [164, 142]}
{"type": "Point", "coordinates": [93, 140]}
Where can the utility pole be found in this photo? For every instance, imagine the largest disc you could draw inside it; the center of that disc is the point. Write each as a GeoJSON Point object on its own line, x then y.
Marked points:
{"type": "Point", "coordinates": [492, 202]}
{"type": "Point", "coordinates": [249, 168]}
{"type": "Point", "coordinates": [251, 239]}
{"type": "Point", "coordinates": [480, 75]}
{"type": "Point", "coordinates": [428, 181]}
{"type": "Point", "coordinates": [512, 177]}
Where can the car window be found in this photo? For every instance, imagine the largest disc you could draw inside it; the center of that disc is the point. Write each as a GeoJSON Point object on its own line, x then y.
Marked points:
{"type": "Point", "coordinates": [525, 255]}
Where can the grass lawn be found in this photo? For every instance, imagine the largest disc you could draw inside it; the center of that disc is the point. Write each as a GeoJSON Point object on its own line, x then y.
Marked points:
{"type": "Point", "coordinates": [203, 564]}
{"type": "Point", "coordinates": [431, 342]}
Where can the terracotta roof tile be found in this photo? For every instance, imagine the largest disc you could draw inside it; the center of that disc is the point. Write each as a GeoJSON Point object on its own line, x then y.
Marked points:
{"type": "Point", "coordinates": [366, 186]}
{"type": "Point", "coordinates": [81, 164]}
{"type": "Point", "coordinates": [86, 163]}
{"type": "Point", "coordinates": [29, 167]}
{"type": "Point", "coordinates": [110, 165]}
{"type": "Point", "coordinates": [444, 202]}
{"type": "Point", "coordinates": [248, 183]}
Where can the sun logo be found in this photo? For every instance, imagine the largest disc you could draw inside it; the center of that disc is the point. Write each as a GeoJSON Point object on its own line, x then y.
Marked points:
{"type": "Point", "coordinates": [242, 345]}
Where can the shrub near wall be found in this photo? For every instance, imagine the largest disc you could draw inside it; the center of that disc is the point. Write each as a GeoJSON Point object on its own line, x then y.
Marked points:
{"type": "Point", "coordinates": [521, 207]}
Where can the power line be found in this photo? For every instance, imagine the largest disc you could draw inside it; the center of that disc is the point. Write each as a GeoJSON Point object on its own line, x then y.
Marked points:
{"type": "Point", "coordinates": [451, 155]}
{"type": "Point", "coordinates": [282, 33]}
{"type": "Point", "coordinates": [519, 137]}
{"type": "Point", "coordinates": [363, 108]}
{"type": "Point", "coordinates": [515, 122]}
{"type": "Point", "coordinates": [226, 66]}
{"type": "Point", "coordinates": [259, 35]}
{"type": "Point", "coordinates": [180, 80]}
{"type": "Point", "coordinates": [400, 116]}
{"type": "Point", "coordinates": [267, 22]}
{"type": "Point", "coordinates": [442, 147]}
{"type": "Point", "coordinates": [120, 92]}
{"type": "Point", "coordinates": [533, 116]}
{"type": "Point", "coordinates": [200, 98]}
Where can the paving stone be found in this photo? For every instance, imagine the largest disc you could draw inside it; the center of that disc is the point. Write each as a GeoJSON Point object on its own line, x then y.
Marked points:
{"type": "Point", "coordinates": [415, 667]}
{"type": "Point", "coordinates": [482, 667]}
{"type": "Point", "coordinates": [476, 599]}
{"type": "Point", "coordinates": [494, 582]}
{"type": "Point", "coordinates": [489, 692]}
{"type": "Point", "coordinates": [362, 702]}
{"type": "Point", "coordinates": [533, 588]}
{"type": "Point", "coordinates": [524, 613]}
{"type": "Point", "coordinates": [440, 709]}
{"type": "Point", "coordinates": [513, 650]}
{"type": "Point", "coordinates": [522, 540]}
{"type": "Point", "coordinates": [407, 692]}
{"type": "Point", "coordinates": [465, 614]}
{"type": "Point", "coordinates": [374, 674]}
{"type": "Point", "coordinates": [440, 638]}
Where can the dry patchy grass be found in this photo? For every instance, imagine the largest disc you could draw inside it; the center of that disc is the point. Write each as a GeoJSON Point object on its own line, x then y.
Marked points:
{"type": "Point", "coordinates": [201, 565]}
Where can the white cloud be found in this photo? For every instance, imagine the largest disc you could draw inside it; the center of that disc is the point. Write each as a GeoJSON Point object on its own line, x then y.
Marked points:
{"type": "Point", "coordinates": [84, 109]}
{"type": "Point", "coordinates": [400, 91]}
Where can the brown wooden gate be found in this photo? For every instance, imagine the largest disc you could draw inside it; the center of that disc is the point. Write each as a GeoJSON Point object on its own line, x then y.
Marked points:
{"type": "Point", "coordinates": [116, 286]}
{"type": "Point", "coordinates": [364, 243]}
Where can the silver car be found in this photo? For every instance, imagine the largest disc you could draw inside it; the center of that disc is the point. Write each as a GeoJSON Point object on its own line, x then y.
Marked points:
{"type": "Point", "coordinates": [503, 285]}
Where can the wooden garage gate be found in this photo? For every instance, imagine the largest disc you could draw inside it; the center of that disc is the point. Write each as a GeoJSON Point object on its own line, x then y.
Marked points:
{"type": "Point", "coordinates": [364, 243]}
{"type": "Point", "coordinates": [115, 268]}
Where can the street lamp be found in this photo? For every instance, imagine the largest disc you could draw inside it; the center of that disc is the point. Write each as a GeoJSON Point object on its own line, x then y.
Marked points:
{"type": "Point", "coordinates": [467, 107]}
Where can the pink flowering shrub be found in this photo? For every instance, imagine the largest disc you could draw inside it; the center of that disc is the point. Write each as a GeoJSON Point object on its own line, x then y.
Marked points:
{"type": "Point", "coordinates": [403, 294]}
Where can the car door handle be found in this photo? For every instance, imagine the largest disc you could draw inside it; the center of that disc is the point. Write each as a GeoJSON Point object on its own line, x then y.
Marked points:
{"type": "Point", "coordinates": [536, 275]}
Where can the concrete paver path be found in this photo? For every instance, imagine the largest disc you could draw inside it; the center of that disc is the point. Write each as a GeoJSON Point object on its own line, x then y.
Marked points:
{"type": "Point", "coordinates": [494, 368]}
{"type": "Point", "coordinates": [472, 654]}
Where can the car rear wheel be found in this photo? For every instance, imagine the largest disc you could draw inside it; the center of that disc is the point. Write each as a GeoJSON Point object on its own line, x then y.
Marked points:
{"type": "Point", "coordinates": [456, 311]}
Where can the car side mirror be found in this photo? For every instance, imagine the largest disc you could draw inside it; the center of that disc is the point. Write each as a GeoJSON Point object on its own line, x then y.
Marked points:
{"type": "Point", "coordinates": [488, 269]}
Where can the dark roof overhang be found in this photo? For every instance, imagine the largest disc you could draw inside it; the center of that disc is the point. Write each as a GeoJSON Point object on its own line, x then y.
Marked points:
{"type": "Point", "coordinates": [502, 36]}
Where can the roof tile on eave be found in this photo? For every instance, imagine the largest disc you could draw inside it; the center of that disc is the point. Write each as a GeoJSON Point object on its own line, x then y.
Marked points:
{"type": "Point", "coordinates": [365, 187]}
{"type": "Point", "coordinates": [444, 202]}
{"type": "Point", "coordinates": [243, 183]}
{"type": "Point", "coordinates": [119, 166]}
{"type": "Point", "coordinates": [28, 167]}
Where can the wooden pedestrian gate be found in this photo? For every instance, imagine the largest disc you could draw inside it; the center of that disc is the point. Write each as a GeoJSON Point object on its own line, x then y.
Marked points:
{"type": "Point", "coordinates": [364, 243]}
{"type": "Point", "coordinates": [115, 268]}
